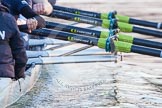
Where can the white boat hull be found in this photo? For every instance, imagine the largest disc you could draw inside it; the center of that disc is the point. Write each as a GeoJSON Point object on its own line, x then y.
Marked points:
{"type": "Point", "coordinates": [10, 90]}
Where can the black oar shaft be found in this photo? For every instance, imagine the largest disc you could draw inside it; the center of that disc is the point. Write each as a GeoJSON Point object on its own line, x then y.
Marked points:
{"type": "Point", "coordinates": [102, 34]}
{"type": "Point", "coordinates": [145, 23]}
{"type": "Point", "coordinates": [127, 47]}
{"type": "Point", "coordinates": [146, 51]}
{"type": "Point", "coordinates": [147, 43]}
{"type": "Point", "coordinates": [119, 46]}
{"type": "Point", "coordinates": [106, 23]}
{"type": "Point", "coordinates": [73, 29]}
{"type": "Point", "coordinates": [66, 36]}
{"type": "Point", "coordinates": [77, 11]}
{"type": "Point", "coordinates": [147, 31]}
{"type": "Point", "coordinates": [78, 18]}
{"type": "Point", "coordinates": [23, 28]}
{"type": "Point", "coordinates": [100, 15]}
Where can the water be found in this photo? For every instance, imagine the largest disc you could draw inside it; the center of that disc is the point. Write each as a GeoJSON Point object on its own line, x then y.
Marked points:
{"type": "Point", "coordinates": [100, 85]}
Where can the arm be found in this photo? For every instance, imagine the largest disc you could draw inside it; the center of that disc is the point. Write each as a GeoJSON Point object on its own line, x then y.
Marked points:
{"type": "Point", "coordinates": [18, 51]}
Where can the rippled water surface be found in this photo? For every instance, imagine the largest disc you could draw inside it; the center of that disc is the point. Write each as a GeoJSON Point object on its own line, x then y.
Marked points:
{"type": "Point", "coordinates": [93, 85]}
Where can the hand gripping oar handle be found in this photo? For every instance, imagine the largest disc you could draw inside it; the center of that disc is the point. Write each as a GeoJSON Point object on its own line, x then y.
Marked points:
{"type": "Point", "coordinates": [121, 18]}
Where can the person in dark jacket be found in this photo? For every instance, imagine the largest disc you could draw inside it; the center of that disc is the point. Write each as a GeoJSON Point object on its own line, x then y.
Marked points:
{"type": "Point", "coordinates": [13, 55]}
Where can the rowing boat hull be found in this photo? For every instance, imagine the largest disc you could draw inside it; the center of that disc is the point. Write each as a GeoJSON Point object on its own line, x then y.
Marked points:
{"type": "Point", "coordinates": [10, 90]}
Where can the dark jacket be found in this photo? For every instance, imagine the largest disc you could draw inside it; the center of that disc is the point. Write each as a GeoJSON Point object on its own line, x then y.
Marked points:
{"type": "Point", "coordinates": [12, 52]}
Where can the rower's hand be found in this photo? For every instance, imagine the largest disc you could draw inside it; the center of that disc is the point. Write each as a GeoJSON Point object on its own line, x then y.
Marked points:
{"type": "Point", "coordinates": [32, 24]}
{"type": "Point", "coordinates": [39, 8]}
{"type": "Point", "coordinates": [44, 8]}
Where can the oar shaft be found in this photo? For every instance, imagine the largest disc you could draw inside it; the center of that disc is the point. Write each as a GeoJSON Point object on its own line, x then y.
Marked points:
{"type": "Point", "coordinates": [146, 51]}
{"type": "Point", "coordinates": [77, 18]}
{"type": "Point", "coordinates": [147, 43]}
{"type": "Point", "coordinates": [97, 22]}
{"type": "Point", "coordinates": [77, 11]}
{"type": "Point", "coordinates": [102, 43]}
{"type": "Point", "coordinates": [145, 23]}
{"type": "Point", "coordinates": [70, 37]}
{"type": "Point", "coordinates": [127, 47]}
{"type": "Point", "coordinates": [147, 31]}
{"type": "Point", "coordinates": [138, 41]}
{"type": "Point", "coordinates": [76, 30]}
{"type": "Point", "coordinates": [124, 27]}
{"type": "Point", "coordinates": [121, 18]}
{"type": "Point", "coordinates": [102, 34]}
{"type": "Point", "coordinates": [72, 59]}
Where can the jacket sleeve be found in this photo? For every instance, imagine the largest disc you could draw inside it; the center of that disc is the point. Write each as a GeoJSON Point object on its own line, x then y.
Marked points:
{"type": "Point", "coordinates": [18, 51]}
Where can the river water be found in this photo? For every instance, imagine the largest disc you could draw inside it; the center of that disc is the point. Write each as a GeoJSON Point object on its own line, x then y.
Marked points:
{"type": "Point", "coordinates": [93, 85]}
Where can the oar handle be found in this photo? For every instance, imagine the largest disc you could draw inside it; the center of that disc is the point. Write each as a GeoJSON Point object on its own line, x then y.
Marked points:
{"type": "Point", "coordinates": [23, 28]}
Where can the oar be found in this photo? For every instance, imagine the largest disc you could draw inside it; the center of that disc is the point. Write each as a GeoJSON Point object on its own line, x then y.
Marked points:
{"type": "Point", "coordinates": [38, 42]}
{"type": "Point", "coordinates": [128, 47]}
{"type": "Point", "coordinates": [47, 41]}
{"type": "Point", "coordinates": [107, 44]}
{"type": "Point", "coordinates": [121, 18]}
{"type": "Point", "coordinates": [102, 34]}
{"type": "Point", "coordinates": [23, 28]}
{"type": "Point", "coordinates": [59, 51]}
{"type": "Point", "coordinates": [110, 24]}
{"type": "Point", "coordinates": [71, 59]}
